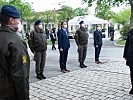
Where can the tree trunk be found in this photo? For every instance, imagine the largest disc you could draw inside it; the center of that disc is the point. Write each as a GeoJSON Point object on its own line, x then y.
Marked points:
{"type": "Point", "coordinates": [131, 18]}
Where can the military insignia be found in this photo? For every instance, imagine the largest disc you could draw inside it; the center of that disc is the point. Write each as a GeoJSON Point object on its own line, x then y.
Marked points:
{"type": "Point", "coordinates": [24, 59]}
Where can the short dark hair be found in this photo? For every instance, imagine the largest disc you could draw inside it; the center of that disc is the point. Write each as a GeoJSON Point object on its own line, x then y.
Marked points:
{"type": "Point", "coordinates": [81, 22]}
{"type": "Point", "coordinates": [62, 23]}
{"type": "Point", "coordinates": [4, 19]}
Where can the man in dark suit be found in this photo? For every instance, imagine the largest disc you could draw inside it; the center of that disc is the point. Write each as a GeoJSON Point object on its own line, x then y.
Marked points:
{"type": "Point", "coordinates": [63, 45]}
{"type": "Point", "coordinates": [97, 43]}
{"type": "Point", "coordinates": [128, 55]}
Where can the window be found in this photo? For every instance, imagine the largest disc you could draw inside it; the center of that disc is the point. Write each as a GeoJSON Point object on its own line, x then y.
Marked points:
{"type": "Point", "coordinates": [24, 27]}
{"type": "Point", "coordinates": [71, 27]}
{"type": "Point", "coordinates": [52, 25]}
{"type": "Point", "coordinates": [49, 26]}
{"type": "Point", "coordinates": [77, 26]}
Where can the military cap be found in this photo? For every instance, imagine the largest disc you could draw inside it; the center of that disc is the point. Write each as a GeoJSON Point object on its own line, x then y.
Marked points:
{"type": "Point", "coordinates": [10, 11]}
{"type": "Point", "coordinates": [37, 22]}
{"type": "Point", "coordinates": [81, 22]}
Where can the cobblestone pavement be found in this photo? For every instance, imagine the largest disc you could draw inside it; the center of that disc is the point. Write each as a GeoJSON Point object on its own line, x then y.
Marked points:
{"type": "Point", "coordinates": [108, 81]}
{"type": "Point", "coordinates": [52, 68]}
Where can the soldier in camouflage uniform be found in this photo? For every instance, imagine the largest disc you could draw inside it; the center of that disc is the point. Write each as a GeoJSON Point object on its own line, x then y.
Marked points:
{"type": "Point", "coordinates": [38, 45]}
{"type": "Point", "coordinates": [81, 38]}
{"type": "Point", "coordinates": [14, 58]}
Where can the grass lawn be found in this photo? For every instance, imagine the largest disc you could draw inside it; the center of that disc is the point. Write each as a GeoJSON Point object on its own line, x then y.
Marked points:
{"type": "Point", "coordinates": [121, 42]}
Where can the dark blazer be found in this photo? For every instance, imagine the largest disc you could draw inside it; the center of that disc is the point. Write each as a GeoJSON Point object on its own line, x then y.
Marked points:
{"type": "Point", "coordinates": [128, 51]}
{"type": "Point", "coordinates": [63, 39]}
{"type": "Point", "coordinates": [53, 38]}
{"type": "Point", "coordinates": [97, 38]}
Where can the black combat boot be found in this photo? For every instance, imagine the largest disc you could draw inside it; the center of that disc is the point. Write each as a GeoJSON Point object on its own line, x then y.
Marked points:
{"type": "Point", "coordinates": [84, 65]}
{"type": "Point", "coordinates": [43, 77]}
{"type": "Point", "coordinates": [39, 76]}
{"type": "Point", "coordinates": [131, 91]}
{"type": "Point", "coordinates": [81, 65]}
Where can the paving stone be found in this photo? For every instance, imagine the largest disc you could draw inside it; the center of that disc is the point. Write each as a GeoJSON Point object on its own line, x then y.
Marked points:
{"type": "Point", "coordinates": [76, 98]}
{"type": "Point", "coordinates": [97, 82]}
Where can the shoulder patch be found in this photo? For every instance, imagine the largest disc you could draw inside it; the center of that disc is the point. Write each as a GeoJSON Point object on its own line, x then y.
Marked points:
{"type": "Point", "coordinates": [24, 59]}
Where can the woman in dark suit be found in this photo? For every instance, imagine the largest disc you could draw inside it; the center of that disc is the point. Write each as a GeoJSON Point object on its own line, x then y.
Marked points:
{"type": "Point", "coordinates": [63, 45]}
{"type": "Point", "coordinates": [128, 55]}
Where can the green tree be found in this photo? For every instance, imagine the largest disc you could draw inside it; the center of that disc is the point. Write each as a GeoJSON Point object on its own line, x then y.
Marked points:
{"type": "Point", "coordinates": [113, 3]}
{"type": "Point", "coordinates": [65, 13]}
{"type": "Point", "coordinates": [123, 17]}
{"type": "Point", "coordinates": [3, 2]}
{"type": "Point", "coordinates": [24, 9]}
{"type": "Point", "coordinates": [81, 11]}
{"type": "Point", "coordinates": [104, 11]}
{"type": "Point", "coordinates": [48, 16]}
{"type": "Point", "coordinates": [124, 31]}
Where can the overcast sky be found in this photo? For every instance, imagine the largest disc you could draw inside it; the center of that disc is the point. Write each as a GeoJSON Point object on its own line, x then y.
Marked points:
{"type": "Point", "coordinates": [43, 5]}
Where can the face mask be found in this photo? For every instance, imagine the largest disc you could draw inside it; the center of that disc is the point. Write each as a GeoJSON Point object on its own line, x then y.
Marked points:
{"type": "Point", "coordinates": [40, 26]}
{"type": "Point", "coordinates": [17, 28]}
{"type": "Point", "coordinates": [20, 27]}
{"type": "Point", "coordinates": [98, 28]}
{"type": "Point", "coordinates": [65, 26]}
{"type": "Point", "coordinates": [83, 25]}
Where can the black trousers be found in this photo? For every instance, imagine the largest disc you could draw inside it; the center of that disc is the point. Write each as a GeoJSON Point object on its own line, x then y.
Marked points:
{"type": "Point", "coordinates": [53, 44]}
{"type": "Point", "coordinates": [63, 58]}
{"type": "Point", "coordinates": [97, 52]}
{"type": "Point", "coordinates": [131, 74]}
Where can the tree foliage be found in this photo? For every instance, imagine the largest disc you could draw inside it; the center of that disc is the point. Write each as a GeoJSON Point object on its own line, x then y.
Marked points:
{"type": "Point", "coordinates": [3, 2]}
{"type": "Point", "coordinates": [108, 2]}
{"type": "Point", "coordinates": [104, 11]}
{"type": "Point", "coordinates": [81, 11]}
{"type": "Point", "coordinates": [48, 16]}
{"type": "Point", "coordinates": [123, 17]}
{"type": "Point", "coordinates": [65, 13]}
{"type": "Point", "coordinates": [23, 7]}
{"type": "Point", "coordinates": [124, 31]}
